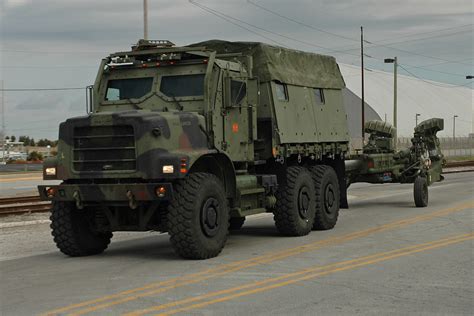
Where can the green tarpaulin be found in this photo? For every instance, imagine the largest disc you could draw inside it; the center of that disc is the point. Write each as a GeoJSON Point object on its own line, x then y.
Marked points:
{"type": "Point", "coordinates": [283, 64]}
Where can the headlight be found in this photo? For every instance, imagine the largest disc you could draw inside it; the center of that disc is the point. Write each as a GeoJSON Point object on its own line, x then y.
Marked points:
{"type": "Point", "coordinates": [168, 169]}
{"type": "Point", "coordinates": [50, 171]}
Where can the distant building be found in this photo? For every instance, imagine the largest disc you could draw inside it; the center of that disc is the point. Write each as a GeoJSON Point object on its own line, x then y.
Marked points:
{"type": "Point", "coordinates": [428, 98]}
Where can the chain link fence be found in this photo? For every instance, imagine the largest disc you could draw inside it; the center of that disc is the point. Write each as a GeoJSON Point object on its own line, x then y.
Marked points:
{"type": "Point", "coordinates": [451, 147]}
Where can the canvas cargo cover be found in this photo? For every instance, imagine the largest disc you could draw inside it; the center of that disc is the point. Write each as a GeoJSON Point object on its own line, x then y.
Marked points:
{"type": "Point", "coordinates": [283, 64]}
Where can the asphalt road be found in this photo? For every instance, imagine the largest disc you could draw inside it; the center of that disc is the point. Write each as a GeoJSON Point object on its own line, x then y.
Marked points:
{"type": "Point", "coordinates": [383, 257]}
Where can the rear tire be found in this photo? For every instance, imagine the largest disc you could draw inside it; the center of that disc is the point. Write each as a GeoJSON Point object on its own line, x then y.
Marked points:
{"type": "Point", "coordinates": [295, 207]}
{"type": "Point", "coordinates": [72, 231]}
{"type": "Point", "coordinates": [327, 197]}
{"type": "Point", "coordinates": [198, 217]}
{"type": "Point", "coordinates": [420, 192]}
{"type": "Point", "coordinates": [236, 223]}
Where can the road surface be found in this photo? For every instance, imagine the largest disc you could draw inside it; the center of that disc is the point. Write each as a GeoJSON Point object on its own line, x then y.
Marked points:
{"type": "Point", "coordinates": [384, 257]}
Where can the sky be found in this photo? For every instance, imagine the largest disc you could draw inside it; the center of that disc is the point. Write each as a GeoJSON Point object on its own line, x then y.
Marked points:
{"type": "Point", "coordinates": [59, 44]}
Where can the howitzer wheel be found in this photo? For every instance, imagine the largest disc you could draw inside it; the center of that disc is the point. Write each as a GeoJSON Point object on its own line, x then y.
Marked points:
{"type": "Point", "coordinates": [327, 197]}
{"type": "Point", "coordinates": [71, 229]}
{"type": "Point", "coordinates": [295, 207]}
{"type": "Point", "coordinates": [236, 223]}
{"type": "Point", "coordinates": [420, 192]}
{"type": "Point", "coordinates": [198, 217]}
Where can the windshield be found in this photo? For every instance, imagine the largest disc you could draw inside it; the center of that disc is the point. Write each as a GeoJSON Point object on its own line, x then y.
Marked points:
{"type": "Point", "coordinates": [123, 89]}
{"type": "Point", "coordinates": [183, 85]}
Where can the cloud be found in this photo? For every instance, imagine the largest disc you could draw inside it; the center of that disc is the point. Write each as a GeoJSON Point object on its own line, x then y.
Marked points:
{"type": "Point", "coordinates": [56, 38]}
{"type": "Point", "coordinates": [41, 103]}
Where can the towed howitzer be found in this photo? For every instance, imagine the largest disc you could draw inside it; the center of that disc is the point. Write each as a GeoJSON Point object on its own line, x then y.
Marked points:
{"type": "Point", "coordinates": [380, 162]}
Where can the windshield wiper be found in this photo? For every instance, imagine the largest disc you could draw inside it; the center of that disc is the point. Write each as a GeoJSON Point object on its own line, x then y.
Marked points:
{"type": "Point", "coordinates": [180, 107]}
{"type": "Point", "coordinates": [135, 104]}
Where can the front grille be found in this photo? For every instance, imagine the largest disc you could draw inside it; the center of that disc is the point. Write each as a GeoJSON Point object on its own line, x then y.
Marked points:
{"type": "Point", "coordinates": [104, 148]}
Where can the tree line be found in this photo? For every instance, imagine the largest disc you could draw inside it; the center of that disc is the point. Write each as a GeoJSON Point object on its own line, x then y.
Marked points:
{"type": "Point", "coordinates": [27, 141]}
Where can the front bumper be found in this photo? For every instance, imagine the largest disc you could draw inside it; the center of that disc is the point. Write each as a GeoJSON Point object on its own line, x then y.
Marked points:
{"type": "Point", "coordinates": [106, 192]}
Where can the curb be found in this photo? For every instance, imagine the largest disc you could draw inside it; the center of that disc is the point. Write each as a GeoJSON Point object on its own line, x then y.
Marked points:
{"type": "Point", "coordinates": [24, 223]}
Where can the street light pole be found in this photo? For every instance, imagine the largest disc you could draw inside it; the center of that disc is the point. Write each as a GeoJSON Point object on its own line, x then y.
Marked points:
{"type": "Point", "coordinates": [416, 118]}
{"type": "Point", "coordinates": [454, 127]}
{"type": "Point", "coordinates": [3, 123]}
{"type": "Point", "coordinates": [395, 92]}
{"type": "Point", "coordinates": [395, 65]}
{"type": "Point", "coordinates": [145, 19]}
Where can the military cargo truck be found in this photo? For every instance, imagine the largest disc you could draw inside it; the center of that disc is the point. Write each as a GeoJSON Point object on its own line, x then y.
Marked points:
{"type": "Point", "coordinates": [191, 140]}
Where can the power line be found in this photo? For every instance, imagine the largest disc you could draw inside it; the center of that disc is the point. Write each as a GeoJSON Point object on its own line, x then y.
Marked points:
{"type": "Point", "coordinates": [301, 23]}
{"type": "Point", "coordinates": [432, 83]}
{"type": "Point", "coordinates": [215, 12]}
{"type": "Point", "coordinates": [228, 18]}
{"type": "Point", "coordinates": [432, 70]}
{"type": "Point", "coordinates": [447, 62]}
{"type": "Point", "coordinates": [373, 43]}
{"type": "Point", "coordinates": [424, 38]}
{"type": "Point", "coordinates": [408, 35]}
{"type": "Point", "coordinates": [426, 32]}
{"type": "Point", "coordinates": [236, 24]}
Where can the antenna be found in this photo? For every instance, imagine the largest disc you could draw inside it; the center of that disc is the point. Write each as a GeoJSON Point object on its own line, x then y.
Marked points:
{"type": "Point", "coordinates": [145, 19]}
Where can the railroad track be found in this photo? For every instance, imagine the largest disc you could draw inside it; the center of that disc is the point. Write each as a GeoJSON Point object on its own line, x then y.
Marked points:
{"type": "Point", "coordinates": [24, 204]}
{"type": "Point", "coordinates": [33, 204]}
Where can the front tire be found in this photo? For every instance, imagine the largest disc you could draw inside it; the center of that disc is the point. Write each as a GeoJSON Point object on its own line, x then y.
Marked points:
{"type": "Point", "coordinates": [295, 207]}
{"type": "Point", "coordinates": [72, 231]}
{"type": "Point", "coordinates": [327, 197]}
{"type": "Point", "coordinates": [420, 192]}
{"type": "Point", "coordinates": [198, 217]}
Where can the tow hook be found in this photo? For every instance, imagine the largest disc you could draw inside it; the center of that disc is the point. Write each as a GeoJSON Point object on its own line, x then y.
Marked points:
{"type": "Point", "coordinates": [77, 197]}
{"type": "Point", "coordinates": [131, 200]}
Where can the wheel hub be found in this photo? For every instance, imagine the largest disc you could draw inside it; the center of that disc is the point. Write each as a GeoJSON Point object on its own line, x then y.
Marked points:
{"type": "Point", "coordinates": [303, 202]}
{"type": "Point", "coordinates": [329, 198]}
{"type": "Point", "coordinates": [209, 217]}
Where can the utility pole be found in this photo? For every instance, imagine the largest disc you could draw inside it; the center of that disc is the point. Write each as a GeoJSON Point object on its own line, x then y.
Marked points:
{"type": "Point", "coordinates": [395, 65]}
{"type": "Point", "coordinates": [416, 118]}
{"type": "Point", "coordinates": [145, 19]}
{"type": "Point", "coordinates": [3, 122]}
{"type": "Point", "coordinates": [362, 77]}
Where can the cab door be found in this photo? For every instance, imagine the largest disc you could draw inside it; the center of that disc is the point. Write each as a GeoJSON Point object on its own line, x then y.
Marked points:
{"type": "Point", "coordinates": [238, 116]}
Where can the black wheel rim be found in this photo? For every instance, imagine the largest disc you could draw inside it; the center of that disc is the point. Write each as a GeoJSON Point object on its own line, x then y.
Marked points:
{"type": "Point", "coordinates": [329, 198]}
{"type": "Point", "coordinates": [304, 199]}
{"type": "Point", "coordinates": [210, 217]}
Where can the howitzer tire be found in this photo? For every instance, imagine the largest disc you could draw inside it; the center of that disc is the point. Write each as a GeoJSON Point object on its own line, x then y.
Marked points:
{"type": "Point", "coordinates": [420, 192]}
{"type": "Point", "coordinates": [72, 231]}
{"type": "Point", "coordinates": [327, 197]}
{"type": "Point", "coordinates": [198, 217]}
{"type": "Point", "coordinates": [295, 207]}
{"type": "Point", "coordinates": [236, 223]}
